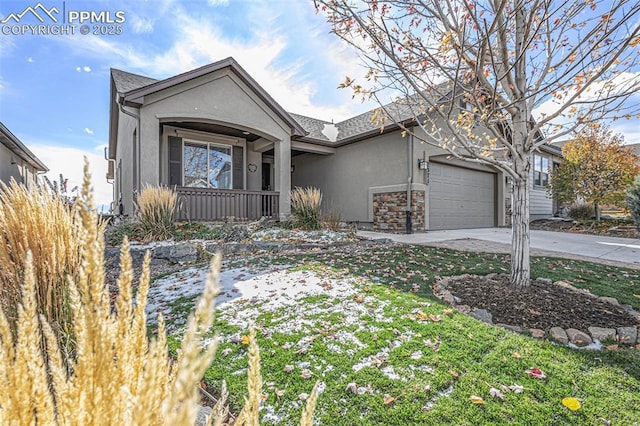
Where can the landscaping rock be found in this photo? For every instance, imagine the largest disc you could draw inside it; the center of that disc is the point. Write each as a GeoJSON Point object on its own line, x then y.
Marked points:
{"type": "Point", "coordinates": [176, 253]}
{"type": "Point", "coordinates": [203, 413]}
{"type": "Point", "coordinates": [482, 315]}
{"type": "Point", "coordinates": [611, 300]}
{"type": "Point", "coordinates": [602, 334]}
{"type": "Point", "coordinates": [536, 333]}
{"type": "Point", "coordinates": [268, 245]}
{"type": "Point", "coordinates": [214, 248]}
{"type": "Point", "coordinates": [514, 328]}
{"type": "Point", "coordinates": [627, 335]}
{"type": "Point", "coordinates": [578, 338]}
{"type": "Point", "coordinates": [237, 248]}
{"type": "Point", "coordinates": [559, 335]}
{"type": "Point", "coordinates": [446, 296]}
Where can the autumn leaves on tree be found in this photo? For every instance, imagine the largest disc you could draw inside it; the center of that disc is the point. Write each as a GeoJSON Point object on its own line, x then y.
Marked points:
{"type": "Point", "coordinates": [468, 76]}
{"type": "Point", "coordinates": [596, 168]}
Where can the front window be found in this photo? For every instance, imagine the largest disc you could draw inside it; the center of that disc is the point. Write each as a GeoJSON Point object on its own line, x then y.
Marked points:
{"type": "Point", "coordinates": [207, 165]}
{"type": "Point", "coordinates": [540, 170]}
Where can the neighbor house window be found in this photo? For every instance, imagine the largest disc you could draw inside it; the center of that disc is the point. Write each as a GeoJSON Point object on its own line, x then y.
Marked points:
{"type": "Point", "coordinates": [540, 170]}
{"type": "Point", "coordinates": [207, 165]}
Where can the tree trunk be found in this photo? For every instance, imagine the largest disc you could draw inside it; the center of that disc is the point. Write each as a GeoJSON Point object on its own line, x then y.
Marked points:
{"type": "Point", "coordinates": [596, 209]}
{"type": "Point", "coordinates": [520, 239]}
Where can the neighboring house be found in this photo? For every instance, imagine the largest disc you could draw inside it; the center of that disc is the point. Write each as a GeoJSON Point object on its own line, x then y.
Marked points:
{"type": "Point", "coordinates": [231, 150]}
{"type": "Point", "coordinates": [17, 161]}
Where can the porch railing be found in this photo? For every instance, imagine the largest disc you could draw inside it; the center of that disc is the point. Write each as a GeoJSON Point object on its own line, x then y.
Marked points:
{"type": "Point", "coordinates": [208, 204]}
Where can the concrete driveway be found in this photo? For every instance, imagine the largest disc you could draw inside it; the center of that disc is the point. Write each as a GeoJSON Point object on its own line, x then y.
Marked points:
{"type": "Point", "coordinates": [608, 250]}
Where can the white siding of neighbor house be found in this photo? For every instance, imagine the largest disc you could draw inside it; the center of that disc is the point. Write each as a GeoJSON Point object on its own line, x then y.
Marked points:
{"type": "Point", "coordinates": [12, 166]}
{"type": "Point", "coordinates": [540, 202]}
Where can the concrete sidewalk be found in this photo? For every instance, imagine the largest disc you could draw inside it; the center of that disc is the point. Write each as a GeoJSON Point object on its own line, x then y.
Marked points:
{"type": "Point", "coordinates": [609, 250]}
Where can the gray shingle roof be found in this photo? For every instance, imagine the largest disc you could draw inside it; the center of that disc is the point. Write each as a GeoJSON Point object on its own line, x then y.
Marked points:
{"type": "Point", "coordinates": [352, 127]}
{"type": "Point", "coordinates": [312, 126]}
{"type": "Point", "coordinates": [126, 81]}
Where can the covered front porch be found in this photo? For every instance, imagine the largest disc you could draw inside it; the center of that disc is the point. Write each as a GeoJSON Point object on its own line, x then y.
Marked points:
{"type": "Point", "coordinates": [226, 172]}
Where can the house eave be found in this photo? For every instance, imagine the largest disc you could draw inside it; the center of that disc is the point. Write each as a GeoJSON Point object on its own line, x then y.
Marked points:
{"type": "Point", "coordinates": [136, 97]}
{"type": "Point", "coordinates": [9, 140]}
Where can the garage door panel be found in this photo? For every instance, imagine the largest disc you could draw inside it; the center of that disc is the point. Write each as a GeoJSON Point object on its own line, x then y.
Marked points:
{"type": "Point", "coordinates": [460, 198]}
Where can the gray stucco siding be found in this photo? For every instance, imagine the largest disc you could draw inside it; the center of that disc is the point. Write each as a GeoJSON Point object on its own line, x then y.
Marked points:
{"type": "Point", "coordinates": [346, 176]}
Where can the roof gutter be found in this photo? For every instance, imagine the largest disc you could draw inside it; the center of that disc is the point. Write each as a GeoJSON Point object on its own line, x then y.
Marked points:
{"type": "Point", "coordinates": [137, 118]}
{"type": "Point", "coordinates": [408, 224]}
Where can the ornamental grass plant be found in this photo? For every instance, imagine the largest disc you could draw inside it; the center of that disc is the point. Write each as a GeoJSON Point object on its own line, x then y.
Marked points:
{"type": "Point", "coordinates": [305, 207]}
{"type": "Point", "coordinates": [118, 375]}
{"type": "Point", "coordinates": [156, 208]}
{"type": "Point", "coordinates": [45, 225]}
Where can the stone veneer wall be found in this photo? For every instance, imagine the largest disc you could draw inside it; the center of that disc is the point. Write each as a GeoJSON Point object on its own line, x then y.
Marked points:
{"type": "Point", "coordinates": [389, 211]}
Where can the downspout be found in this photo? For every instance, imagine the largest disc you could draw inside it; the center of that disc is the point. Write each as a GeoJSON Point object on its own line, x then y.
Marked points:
{"type": "Point", "coordinates": [409, 225]}
{"type": "Point", "coordinates": [112, 207]}
{"type": "Point", "coordinates": [137, 118]}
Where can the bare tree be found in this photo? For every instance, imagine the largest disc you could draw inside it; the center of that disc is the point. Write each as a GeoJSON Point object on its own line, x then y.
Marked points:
{"type": "Point", "coordinates": [467, 76]}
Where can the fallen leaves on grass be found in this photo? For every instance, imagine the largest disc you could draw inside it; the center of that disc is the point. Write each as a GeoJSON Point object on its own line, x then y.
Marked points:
{"type": "Point", "coordinates": [516, 355]}
{"type": "Point", "coordinates": [476, 400]}
{"type": "Point", "coordinates": [536, 373]}
{"type": "Point", "coordinates": [306, 373]}
{"type": "Point", "coordinates": [495, 393]}
{"type": "Point", "coordinates": [435, 346]}
{"type": "Point", "coordinates": [245, 340]}
{"type": "Point", "coordinates": [288, 368]}
{"type": "Point", "coordinates": [388, 399]}
{"type": "Point", "coordinates": [435, 318]}
{"type": "Point", "coordinates": [571, 403]}
{"type": "Point", "coordinates": [353, 388]}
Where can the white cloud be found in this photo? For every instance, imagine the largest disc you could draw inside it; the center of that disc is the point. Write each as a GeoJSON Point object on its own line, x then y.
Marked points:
{"type": "Point", "coordinates": [70, 162]}
{"type": "Point", "coordinates": [88, 131]}
{"type": "Point", "coordinates": [30, 60]}
{"type": "Point", "coordinates": [265, 54]}
{"type": "Point", "coordinates": [218, 2]}
{"type": "Point", "coordinates": [86, 69]}
{"type": "Point", "coordinates": [141, 25]}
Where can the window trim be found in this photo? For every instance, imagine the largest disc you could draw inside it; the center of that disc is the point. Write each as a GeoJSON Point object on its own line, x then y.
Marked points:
{"type": "Point", "coordinates": [542, 171]}
{"type": "Point", "coordinates": [207, 144]}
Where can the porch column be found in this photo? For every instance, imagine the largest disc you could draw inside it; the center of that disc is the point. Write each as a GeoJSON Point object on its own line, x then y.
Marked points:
{"type": "Point", "coordinates": [282, 172]}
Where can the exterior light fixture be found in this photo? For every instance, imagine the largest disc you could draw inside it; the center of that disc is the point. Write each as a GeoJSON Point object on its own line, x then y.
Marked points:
{"type": "Point", "coordinates": [423, 164]}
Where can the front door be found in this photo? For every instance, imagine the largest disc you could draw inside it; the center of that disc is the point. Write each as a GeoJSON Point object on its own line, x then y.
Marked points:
{"type": "Point", "coordinates": [266, 177]}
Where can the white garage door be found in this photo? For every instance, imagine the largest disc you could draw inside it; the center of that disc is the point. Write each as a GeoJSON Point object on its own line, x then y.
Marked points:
{"type": "Point", "coordinates": [460, 198]}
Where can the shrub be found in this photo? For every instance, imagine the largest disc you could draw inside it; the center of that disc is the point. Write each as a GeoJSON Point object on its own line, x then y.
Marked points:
{"type": "Point", "coordinates": [115, 232]}
{"type": "Point", "coordinates": [305, 207]}
{"type": "Point", "coordinates": [119, 376]}
{"type": "Point", "coordinates": [44, 225]}
{"type": "Point", "coordinates": [633, 202]}
{"type": "Point", "coordinates": [156, 206]}
{"type": "Point", "coordinates": [332, 220]}
{"type": "Point", "coordinates": [581, 211]}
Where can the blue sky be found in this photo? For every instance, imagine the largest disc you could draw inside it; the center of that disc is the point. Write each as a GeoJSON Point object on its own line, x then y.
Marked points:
{"type": "Point", "coordinates": [54, 90]}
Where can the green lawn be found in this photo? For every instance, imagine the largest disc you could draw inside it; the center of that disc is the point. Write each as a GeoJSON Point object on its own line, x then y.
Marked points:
{"type": "Point", "coordinates": [430, 368]}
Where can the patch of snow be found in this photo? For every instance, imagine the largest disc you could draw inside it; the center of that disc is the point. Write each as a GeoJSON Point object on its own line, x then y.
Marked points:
{"type": "Point", "coordinates": [390, 372]}
{"type": "Point", "coordinates": [595, 346]}
{"type": "Point", "coordinates": [269, 415]}
{"type": "Point", "coordinates": [368, 361]}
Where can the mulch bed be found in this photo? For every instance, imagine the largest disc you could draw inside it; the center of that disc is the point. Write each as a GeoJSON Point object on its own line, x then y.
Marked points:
{"type": "Point", "coordinates": [603, 228]}
{"type": "Point", "coordinates": [541, 306]}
